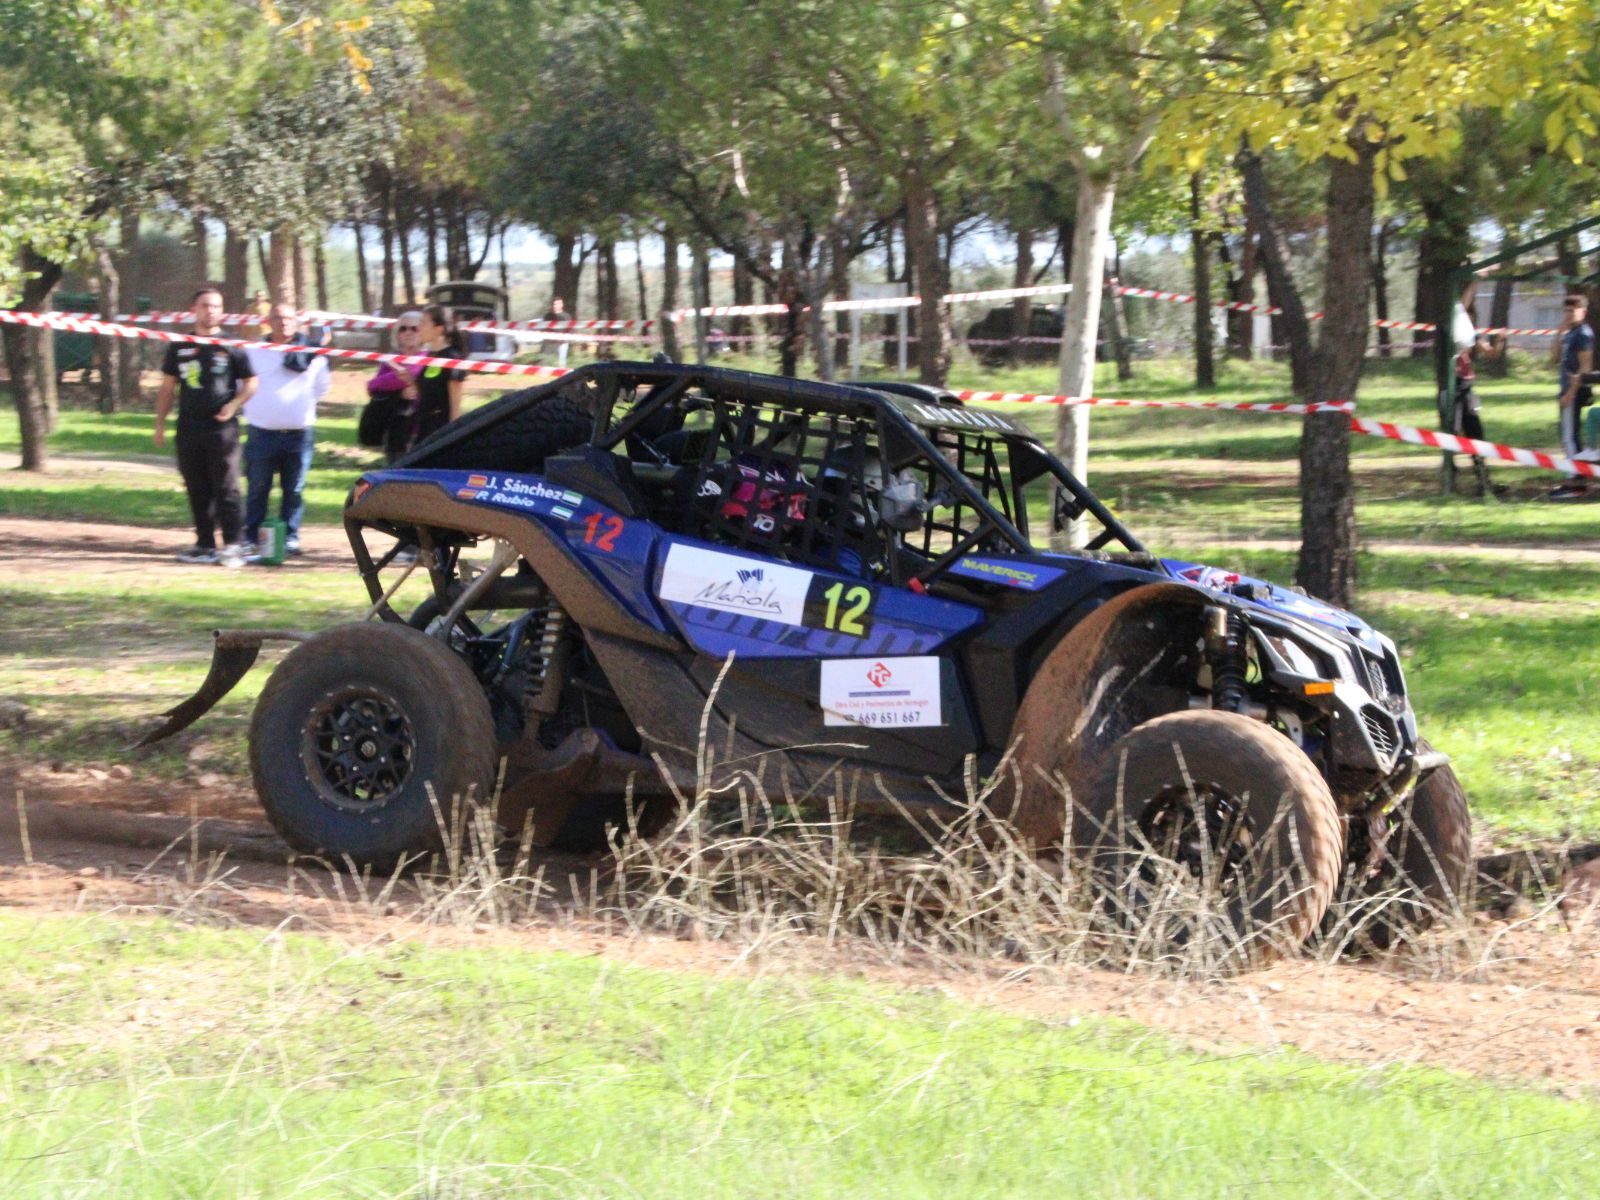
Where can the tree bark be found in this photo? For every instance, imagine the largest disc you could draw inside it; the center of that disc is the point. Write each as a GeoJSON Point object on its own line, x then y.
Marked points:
{"type": "Point", "coordinates": [1091, 234]}
{"type": "Point", "coordinates": [638, 275]}
{"type": "Point", "coordinates": [505, 274]}
{"type": "Point", "coordinates": [1275, 259]}
{"type": "Point", "coordinates": [235, 269]}
{"type": "Point", "coordinates": [744, 290]}
{"type": "Point", "coordinates": [1205, 365]}
{"type": "Point", "coordinates": [386, 229]}
{"type": "Point", "coordinates": [700, 290]}
{"type": "Point", "coordinates": [109, 351]}
{"type": "Point", "coordinates": [280, 268]}
{"type": "Point", "coordinates": [363, 275]}
{"type": "Point", "coordinates": [126, 257]}
{"type": "Point", "coordinates": [839, 287]}
{"type": "Point", "coordinates": [1380, 287]}
{"type": "Point", "coordinates": [1499, 317]}
{"type": "Point", "coordinates": [1022, 306]}
{"type": "Point", "coordinates": [23, 362]}
{"type": "Point", "coordinates": [430, 239]}
{"type": "Point", "coordinates": [608, 289]}
{"type": "Point", "coordinates": [302, 271]}
{"type": "Point", "coordinates": [922, 249]}
{"type": "Point", "coordinates": [1445, 243]}
{"type": "Point", "coordinates": [200, 236]}
{"type": "Point", "coordinates": [319, 259]}
{"type": "Point", "coordinates": [1114, 327]}
{"type": "Point", "coordinates": [1327, 565]}
{"type": "Point", "coordinates": [564, 283]}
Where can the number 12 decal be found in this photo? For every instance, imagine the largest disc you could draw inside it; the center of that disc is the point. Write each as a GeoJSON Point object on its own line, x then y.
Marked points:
{"type": "Point", "coordinates": [840, 607]}
{"type": "Point", "coordinates": [846, 607]}
{"type": "Point", "coordinates": [602, 538]}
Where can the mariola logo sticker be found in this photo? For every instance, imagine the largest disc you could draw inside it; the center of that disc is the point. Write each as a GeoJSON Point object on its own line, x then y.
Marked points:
{"type": "Point", "coordinates": [887, 693]}
{"type": "Point", "coordinates": [708, 579]}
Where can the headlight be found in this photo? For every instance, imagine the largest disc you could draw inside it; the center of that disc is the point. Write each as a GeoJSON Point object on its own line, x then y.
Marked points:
{"type": "Point", "coordinates": [1299, 660]}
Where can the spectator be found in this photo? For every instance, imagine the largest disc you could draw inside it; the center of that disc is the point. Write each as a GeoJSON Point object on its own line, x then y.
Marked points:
{"type": "Point", "coordinates": [282, 415]}
{"type": "Point", "coordinates": [392, 393]}
{"type": "Point", "coordinates": [211, 384]}
{"type": "Point", "coordinates": [438, 388]}
{"type": "Point", "coordinates": [1573, 354]}
{"type": "Point", "coordinates": [1470, 346]}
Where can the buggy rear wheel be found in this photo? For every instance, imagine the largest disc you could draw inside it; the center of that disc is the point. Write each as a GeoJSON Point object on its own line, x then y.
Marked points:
{"type": "Point", "coordinates": [1211, 831]}
{"type": "Point", "coordinates": [354, 730]}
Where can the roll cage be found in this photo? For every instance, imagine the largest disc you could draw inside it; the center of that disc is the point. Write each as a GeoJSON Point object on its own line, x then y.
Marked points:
{"type": "Point", "coordinates": [797, 468]}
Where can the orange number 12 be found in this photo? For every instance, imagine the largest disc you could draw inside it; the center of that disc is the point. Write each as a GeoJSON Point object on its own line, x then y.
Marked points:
{"type": "Point", "coordinates": [605, 539]}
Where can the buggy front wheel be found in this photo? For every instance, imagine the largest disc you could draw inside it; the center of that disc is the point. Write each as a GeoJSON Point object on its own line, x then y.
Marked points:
{"type": "Point", "coordinates": [1211, 831]}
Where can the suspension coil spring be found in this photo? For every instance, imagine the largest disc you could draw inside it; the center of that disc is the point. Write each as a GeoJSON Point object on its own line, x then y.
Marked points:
{"type": "Point", "coordinates": [1228, 642]}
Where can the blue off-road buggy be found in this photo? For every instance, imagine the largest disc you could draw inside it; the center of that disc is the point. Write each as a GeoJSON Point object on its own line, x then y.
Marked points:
{"type": "Point", "coordinates": [815, 579]}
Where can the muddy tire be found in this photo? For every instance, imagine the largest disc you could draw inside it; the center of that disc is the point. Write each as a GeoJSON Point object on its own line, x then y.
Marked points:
{"type": "Point", "coordinates": [1424, 872]}
{"type": "Point", "coordinates": [353, 728]}
{"type": "Point", "coordinates": [508, 434]}
{"type": "Point", "coordinates": [1211, 825]}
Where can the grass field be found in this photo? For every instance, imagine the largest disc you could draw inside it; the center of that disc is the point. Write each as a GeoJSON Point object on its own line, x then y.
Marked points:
{"type": "Point", "coordinates": [144, 1060]}
{"type": "Point", "coordinates": [1500, 650]}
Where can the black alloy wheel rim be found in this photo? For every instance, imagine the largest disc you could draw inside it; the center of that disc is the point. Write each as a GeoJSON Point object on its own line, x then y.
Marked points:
{"type": "Point", "coordinates": [358, 748]}
{"type": "Point", "coordinates": [1201, 828]}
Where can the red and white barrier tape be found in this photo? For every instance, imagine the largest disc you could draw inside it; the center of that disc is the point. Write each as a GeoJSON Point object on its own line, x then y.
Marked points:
{"type": "Point", "coordinates": [344, 321]}
{"type": "Point", "coordinates": [1465, 445]}
{"type": "Point", "coordinates": [1343, 406]}
{"type": "Point", "coordinates": [1384, 429]}
{"type": "Point", "coordinates": [111, 329]}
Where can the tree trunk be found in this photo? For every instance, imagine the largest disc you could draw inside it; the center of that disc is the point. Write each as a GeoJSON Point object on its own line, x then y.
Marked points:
{"type": "Point", "coordinates": [922, 248]}
{"type": "Point", "coordinates": [430, 239]}
{"type": "Point", "coordinates": [1327, 566]}
{"type": "Point", "coordinates": [891, 319]}
{"type": "Point", "coordinates": [386, 229]}
{"type": "Point", "coordinates": [505, 275]}
{"type": "Point", "coordinates": [363, 275]}
{"type": "Point", "coordinates": [1205, 366]}
{"type": "Point", "coordinates": [302, 271]}
{"type": "Point", "coordinates": [1113, 327]}
{"type": "Point", "coordinates": [608, 287]}
{"type": "Point", "coordinates": [235, 269]}
{"type": "Point", "coordinates": [564, 282]}
{"type": "Point", "coordinates": [744, 290]}
{"type": "Point", "coordinates": [125, 259]}
{"type": "Point", "coordinates": [1445, 242]}
{"type": "Point", "coordinates": [789, 295]}
{"type": "Point", "coordinates": [1499, 318]}
{"type": "Point", "coordinates": [669, 293]}
{"type": "Point", "coordinates": [1022, 306]}
{"type": "Point", "coordinates": [1091, 233]}
{"type": "Point", "coordinates": [280, 268]}
{"type": "Point", "coordinates": [1380, 287]}
{"type": "Point", "coordinates": [319, 259]}
{"type": "Point", "coordinates": [1275, 259]}
{"type": "Point", "coordinates": [638, 275]}
{"type": "Point", "coordinates": [23, 362]}
{"type": "Point", "coordinates": [200, 236]}
{"type": "Point", "coordinates": [109, 351]}
{"type": "Point", "coordinates": [839, 287]}
{"type": "Point", "coordinates": [700, 290]}
{"type": "Point", "coordinates": [402, 228]}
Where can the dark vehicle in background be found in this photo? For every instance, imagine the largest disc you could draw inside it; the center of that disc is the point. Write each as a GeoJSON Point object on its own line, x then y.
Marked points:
{"type": "Point", "coordinates": [474, 301]}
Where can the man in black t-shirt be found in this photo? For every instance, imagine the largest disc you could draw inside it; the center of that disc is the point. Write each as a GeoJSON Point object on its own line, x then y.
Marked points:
{"type": "Point", "coordinates": [211, 384]}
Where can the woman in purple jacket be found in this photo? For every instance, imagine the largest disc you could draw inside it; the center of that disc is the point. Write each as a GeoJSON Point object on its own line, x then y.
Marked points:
{"type": "Point", "coordinates": [393, 390]}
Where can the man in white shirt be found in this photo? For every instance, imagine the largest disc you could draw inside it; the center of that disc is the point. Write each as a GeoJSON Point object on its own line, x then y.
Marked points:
{"type": "Point", "coordinates": [282, 416]}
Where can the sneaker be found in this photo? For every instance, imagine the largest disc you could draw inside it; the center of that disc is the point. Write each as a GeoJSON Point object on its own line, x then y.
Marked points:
{"type": "Point", "coordinates": [291, 545]}
{"type": "Point", "coordinates": [247, 548]}
{"type": "Point", "coordinates": [197, 554]}
{"type": "Point", "coordinates": [231, 555]}
{"type": "Point", "coordinates": [1571, 490]}
{"type": "Point", "coordinates": [1589, 456]}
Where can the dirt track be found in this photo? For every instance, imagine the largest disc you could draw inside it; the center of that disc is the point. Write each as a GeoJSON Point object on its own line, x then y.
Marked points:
{"type": "Point", "coordinates": [1508, 999]}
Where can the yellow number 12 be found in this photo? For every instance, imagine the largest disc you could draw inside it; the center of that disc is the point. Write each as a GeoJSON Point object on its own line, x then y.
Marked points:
{"type": "Point", "coordinates": [855, 601]}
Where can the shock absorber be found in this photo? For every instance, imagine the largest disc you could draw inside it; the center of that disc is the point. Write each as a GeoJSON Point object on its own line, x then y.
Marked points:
{"type": "Point", "coordinates": [1227, 647]}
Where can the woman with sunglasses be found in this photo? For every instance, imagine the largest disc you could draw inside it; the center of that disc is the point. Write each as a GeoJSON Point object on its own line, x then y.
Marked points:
{"type": "Point", "coordinates": [438, 388]}
{"type": "Point", "coordinates": [392, 394]}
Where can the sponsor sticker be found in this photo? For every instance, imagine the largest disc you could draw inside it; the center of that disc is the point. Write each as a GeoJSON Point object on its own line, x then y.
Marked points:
{"type": "Point", "coordinates": [1028, 576]}
{"type": "Point", "coordinates": [897, 693]}
{"type": "Point", "coordinates": [730, 583]}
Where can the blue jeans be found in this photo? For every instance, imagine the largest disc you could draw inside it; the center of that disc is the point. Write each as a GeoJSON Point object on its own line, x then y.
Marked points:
{"type": "Point", "coordinates": [285, 453]}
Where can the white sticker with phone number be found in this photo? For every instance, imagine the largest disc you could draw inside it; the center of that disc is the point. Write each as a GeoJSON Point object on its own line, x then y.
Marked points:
{"type": "Point", "coordinates": [882, 693]}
